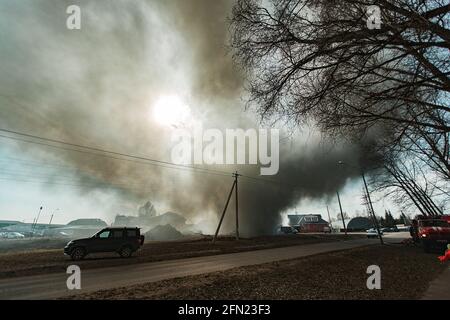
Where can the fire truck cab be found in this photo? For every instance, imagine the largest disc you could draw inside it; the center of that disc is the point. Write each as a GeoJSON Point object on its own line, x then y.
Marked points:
{"type": "Point", "coordinates": [432, 231]}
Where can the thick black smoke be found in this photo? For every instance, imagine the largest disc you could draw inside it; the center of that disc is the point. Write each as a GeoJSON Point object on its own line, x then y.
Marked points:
{"type": "Point", "coordinates": [96, 86]}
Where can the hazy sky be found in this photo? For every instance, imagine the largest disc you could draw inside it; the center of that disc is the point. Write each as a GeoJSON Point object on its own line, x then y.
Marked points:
{"type": "Point", "coordinates": [99, 86]}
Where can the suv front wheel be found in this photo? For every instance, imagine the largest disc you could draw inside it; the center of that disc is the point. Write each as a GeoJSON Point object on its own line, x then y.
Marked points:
{"type": "Point", "coordinates": [125, 252]}
{"type": "Point", "coordinates": [77, 254]}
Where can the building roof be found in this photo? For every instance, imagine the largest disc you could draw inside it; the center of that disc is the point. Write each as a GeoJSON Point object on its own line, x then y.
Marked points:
{"type": "Point", "coordinates": [360, 223]}
{"type": "Point", "coordinates": [10, 221]}
{"type": "Point", "coordinates": [88, 222]}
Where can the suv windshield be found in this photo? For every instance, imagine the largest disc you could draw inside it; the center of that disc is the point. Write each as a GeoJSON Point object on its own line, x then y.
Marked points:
{"type": "Point", "coordinates": [104, 234]}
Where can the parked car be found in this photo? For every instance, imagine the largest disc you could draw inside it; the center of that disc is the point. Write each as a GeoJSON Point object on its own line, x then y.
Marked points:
{"type": "Point", "coordinates": [124, 241]}
{"type": "Point", "coordinates": [288, 230]}
{"type": "Point", "coordinates": [11, 235]}
{"type": "Point", "coordinates": [373, 233]}
{"type": "Point", "coordinates": [390, 229]}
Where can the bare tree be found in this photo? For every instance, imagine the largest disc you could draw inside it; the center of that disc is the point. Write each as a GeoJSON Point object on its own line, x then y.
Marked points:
{"type": "Point", "coordinates": [425, 193]}
{"type": "Point", "coordinates": [317, 59]}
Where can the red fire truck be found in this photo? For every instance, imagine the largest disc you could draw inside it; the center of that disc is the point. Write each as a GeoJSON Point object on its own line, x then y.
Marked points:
{"type": "Point", "coordinates": [431, 231]}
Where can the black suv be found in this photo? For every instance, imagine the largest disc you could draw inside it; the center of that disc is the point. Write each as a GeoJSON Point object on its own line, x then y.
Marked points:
{"type": "Point", "coordinates": [124, 241]}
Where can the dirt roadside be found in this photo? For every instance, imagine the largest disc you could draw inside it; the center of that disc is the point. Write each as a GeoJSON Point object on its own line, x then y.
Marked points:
{"type": "Point", "coordinates": [405, 274]}
{"type": "Point", "coordinates": [41, 261]}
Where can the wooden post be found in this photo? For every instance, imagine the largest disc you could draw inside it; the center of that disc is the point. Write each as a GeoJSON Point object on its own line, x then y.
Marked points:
{"type": "Point", "coordinates": [33, 226]}
{"type": "Point", "coordinates": [342, 214]}
{"type": "Point", "coordinates": [223, 213]}
{"type": "Point", "coordinates": [371, 208]}
{"type": "Point", "coordinates": [237, 204]}
{"type": "Point", "coordinates": [329, 219]}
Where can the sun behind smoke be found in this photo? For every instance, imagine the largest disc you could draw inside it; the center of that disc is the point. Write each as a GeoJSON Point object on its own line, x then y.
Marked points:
{"type": "Point", "coordinates": [171, 111]}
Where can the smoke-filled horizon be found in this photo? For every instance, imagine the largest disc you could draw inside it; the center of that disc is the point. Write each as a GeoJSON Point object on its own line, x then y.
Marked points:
{"type": "Point", "coordinates": [98, 86]}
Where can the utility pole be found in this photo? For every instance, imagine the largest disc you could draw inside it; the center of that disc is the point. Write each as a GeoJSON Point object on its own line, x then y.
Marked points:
{"type": "Point", "coordinates": [342, 214]}
{"type": "Point", "coordinates": [51, 218]}
{"type": "Point", "coordinates": [236, 175]}
{"type": "Point", "coordinates": [371, 208]}
{"type": "Point", "coordinates": [36, 221]}
{"type": "Point", "coordinates": [329, 218]}
{"type": "Point", "coordinates": [234, 187]}
{"type": "Point", "coordinates": [224, 210]}
{"type": "Point", "coordinates": [369, 201]}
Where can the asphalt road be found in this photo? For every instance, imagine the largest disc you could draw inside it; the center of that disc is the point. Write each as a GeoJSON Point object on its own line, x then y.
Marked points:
{"type": "Point", "coordinates": [53, 285]}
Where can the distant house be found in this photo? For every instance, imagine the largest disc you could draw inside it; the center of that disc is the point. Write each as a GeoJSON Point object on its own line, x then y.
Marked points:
{"type": "Point", "coordinates": [308, 222]}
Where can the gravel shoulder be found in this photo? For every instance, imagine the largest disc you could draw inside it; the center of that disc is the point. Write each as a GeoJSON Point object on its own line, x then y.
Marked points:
{"type": "Point", "coordinates": [405, 274]}
{"type": "Point", "coordinates": [42, 261]}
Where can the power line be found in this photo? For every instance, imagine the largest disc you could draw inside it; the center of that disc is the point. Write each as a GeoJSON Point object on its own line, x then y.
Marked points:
{"type": "Point", "coordinates": [96, 149]}
{"type": "Point", "coordinates": [60, 178]}
{"type": "Point", "coordinates": [133, 158]}
{"type": "Point", "coordinates": [260, 179]}
{"type": "Point", "coordinates": [49, 176]}
{"type": "Point", "coordinates": [106, 153]}
{"type": "Point", "coordinates": [28, 162]}
{"type": "Point", "coordinates": [100, 155]}
{"type": "Point", "coordinates": [92, 185]}
{"type": "Point", "coordinates": [43, 174]}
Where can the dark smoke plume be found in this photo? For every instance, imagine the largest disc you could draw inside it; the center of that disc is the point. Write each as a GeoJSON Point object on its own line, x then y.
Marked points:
{"type": "Point", "coordinates": [96, 86]}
